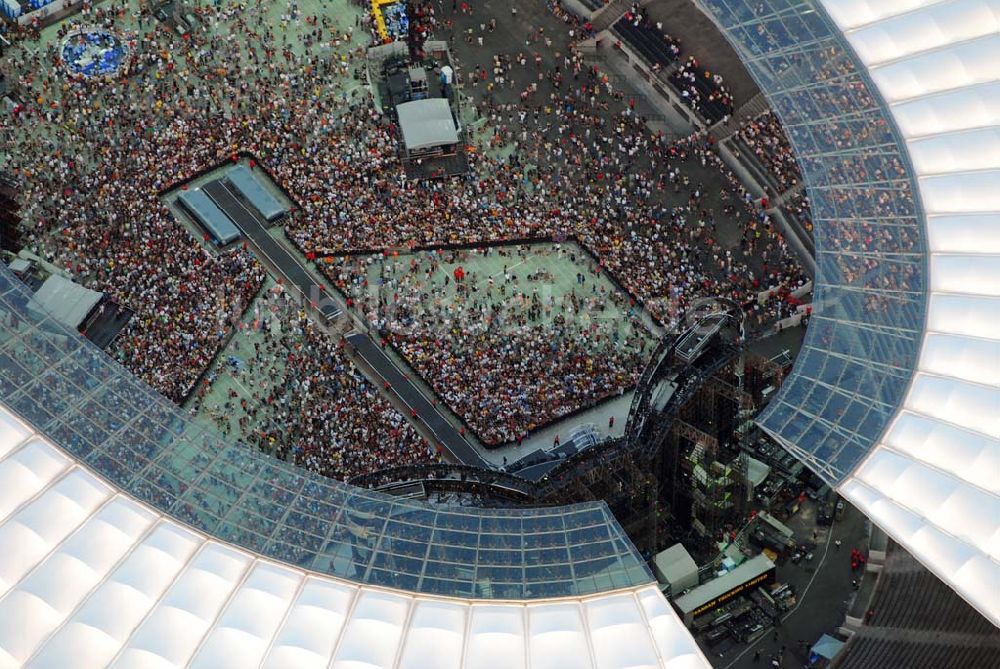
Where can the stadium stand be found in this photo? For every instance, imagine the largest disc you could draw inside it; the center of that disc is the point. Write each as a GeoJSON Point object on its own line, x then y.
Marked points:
{"type": "Point", "coordinates": [762, 139]}
{"type": "Point", "coordinates": [866, 653]}
{"type": "Point", "coordinates": [917, 621]}
{"type": "Point", "coordinates": [702, 91]}
{"type": "Point", "coordinates": [652, 45]}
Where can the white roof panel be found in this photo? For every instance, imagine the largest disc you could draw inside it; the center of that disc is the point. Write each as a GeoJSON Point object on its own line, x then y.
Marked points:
{"type": "Point", "coordinates": [435, 636]}
{"type": "Point", "coordinates": [374, 632]}
{"type": "Point", "coordinates": [313, 625]}
{"type": "Point", "coordinates": [932, 481]}
{"type": "Point", "coordinates": [556, 637]}
{"type": "Point", "coordinates": [26, 472]}
{"type": "Point", "coordinates": [964, 315]}
{"type": "Point", "coordinates": [618, 633]}
{"type": "Point", "coordinates": [672, 641]}
{"type": "Point", "coordinates": [974, 149]}
{"type": "Point", "coordinates": [241, 636]}
{"type": "Point", "coordinates": [969, 233]}
{"type": "Point", "coordinates": [92, 578]}
{"type": "Point", "coordinates": [496, 637]}
{"type": "Point", "coordinates": [961, 193]}
{"type": "Point", "coordinates": [971, 274]}
{"type": "Point", "coordinates": [958, 109]}
{"type": "Point", "coordinates": [966, 64]}
{"type": "Point", "coordinates": [939, 25]}
{"type": "Point", "coordinates": [965, 358]}
{"type": "Point", "coordinates": [848, 14]}
{"type": "Point", "coordinates": [100, 627]}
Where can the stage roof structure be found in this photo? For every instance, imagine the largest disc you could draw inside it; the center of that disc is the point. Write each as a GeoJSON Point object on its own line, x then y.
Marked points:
{"type": "Point", "coordinates": [66, 301]}
{"type": "Point", "coordinates": [427, 123]}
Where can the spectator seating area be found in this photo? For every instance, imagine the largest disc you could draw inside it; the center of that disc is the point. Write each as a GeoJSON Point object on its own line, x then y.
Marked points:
{"type": "Point", "coordinates": [797, 206]}
{"type": "Point", "coordinates": [920, 600]}
{"type": "Point", "coordinates": [702, 91]}
{"type": "Point", "coordinates": [868, 653]}
{"type": "Point", "coordinates": [652, 44]}
{"type": "Point", "coordinates": [916, 621]}
{"type": "Point", "coordinates": [763, 140]}
{"type": "Point", "coordinates": [762, 147]}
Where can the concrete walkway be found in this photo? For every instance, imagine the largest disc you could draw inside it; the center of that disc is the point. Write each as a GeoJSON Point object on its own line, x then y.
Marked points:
{"type": "Point", "coordinates": [822, 586]}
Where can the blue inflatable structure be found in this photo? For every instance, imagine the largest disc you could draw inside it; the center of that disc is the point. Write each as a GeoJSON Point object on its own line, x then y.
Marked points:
{"type": "Point", "coordinates": [94, 52]}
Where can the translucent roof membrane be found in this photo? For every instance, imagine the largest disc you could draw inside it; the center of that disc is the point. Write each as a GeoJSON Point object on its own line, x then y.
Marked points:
{"type": "Point", "coordinates": [91, 578]}
{"type": "Point", "coordinates": [894, 111]}
{"type": "Point", "coordinates": [933, 481]}
{"type": "Point", "coordinates": [114, 424]}
{"type": "Point", "coordinates": [871, 284]}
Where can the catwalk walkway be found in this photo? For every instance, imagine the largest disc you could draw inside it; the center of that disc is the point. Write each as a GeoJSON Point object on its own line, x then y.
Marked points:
{"type": "Point", "coordinates": [254, 228]}
{"type": "Point", "coordinates": [446, 434]}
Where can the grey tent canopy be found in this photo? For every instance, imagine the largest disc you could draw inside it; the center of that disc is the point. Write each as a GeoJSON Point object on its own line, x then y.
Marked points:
{"type": "Point", "coordinates": [67, 302]}
{"type": "Point", "coordinates": [426, 123]}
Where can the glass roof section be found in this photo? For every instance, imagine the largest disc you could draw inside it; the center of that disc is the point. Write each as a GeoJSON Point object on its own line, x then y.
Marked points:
{"type": "Point", "coordinates": [870, 294]}
{"type": "Point", "coordinates": [118, 427]}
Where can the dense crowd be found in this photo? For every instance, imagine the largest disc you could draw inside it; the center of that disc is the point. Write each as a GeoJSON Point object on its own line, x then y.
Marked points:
{"type": "Point", "coordinates": [703, 91]}
{"type": "Point", "coordinates": [797, 206]}
{"type": "Point", "coordinates": [570, 157]}
{"type": "Point", "coordinates": [294, 393]}
{"type": "Point", "coordinates": [766, 139]}
{"type": "Point", "coordinates": [511, 352]}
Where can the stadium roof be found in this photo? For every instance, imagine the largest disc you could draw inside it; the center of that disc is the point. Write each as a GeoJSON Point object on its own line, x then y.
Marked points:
{"type": "Point", "coordinates": [895, 397]}
{"type": "Point", "coordinates": [933, 480]}
{"type": "Point", "coordinates": [90, 577]}
{"type": "Point", "coordinates": [107, 419]}
{"type": "Point", "coordinates": [132, 534]}
{"type": "Point", "coordinates": [134, 537]}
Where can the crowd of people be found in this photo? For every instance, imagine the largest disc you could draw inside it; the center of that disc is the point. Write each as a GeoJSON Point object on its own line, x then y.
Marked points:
{"type": "Point", "coordinates": [562, 152]}
{"type": "Point", "coordinates": [766, 139]}
{"type": "Point", "coordinates": [797, 205]}
{"type": "Point", "coordinates": [293, 392]}
{"type": "Point", "coordinates": [703, 91]}
{"type": "Point", "coordinates": [509, 351]}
